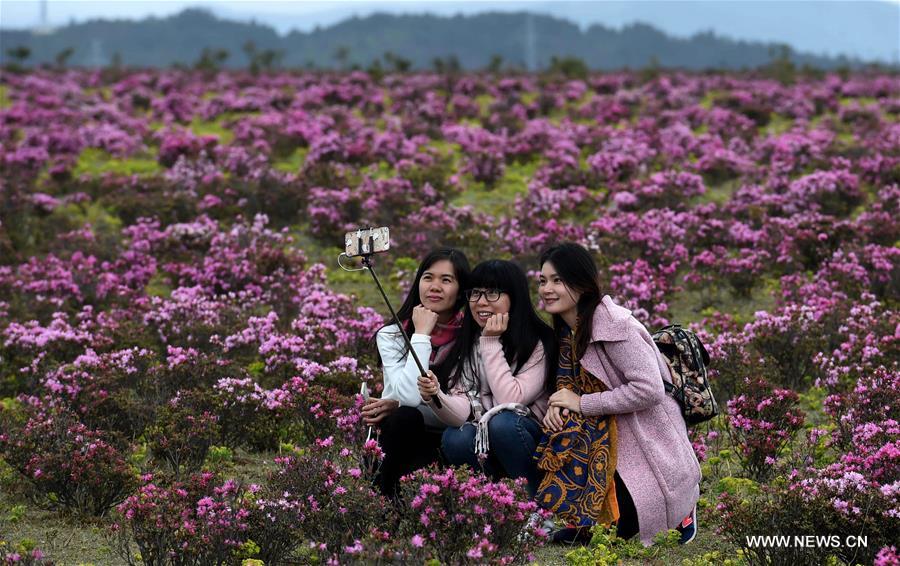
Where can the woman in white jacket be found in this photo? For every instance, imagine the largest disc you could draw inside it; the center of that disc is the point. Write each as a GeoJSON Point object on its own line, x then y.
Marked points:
{"type": "Point", "coordinates": [410, 434]}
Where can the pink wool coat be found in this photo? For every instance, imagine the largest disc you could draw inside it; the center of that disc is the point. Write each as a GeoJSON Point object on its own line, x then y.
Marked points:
{"type": "Point", "coordinates": [655, 458]}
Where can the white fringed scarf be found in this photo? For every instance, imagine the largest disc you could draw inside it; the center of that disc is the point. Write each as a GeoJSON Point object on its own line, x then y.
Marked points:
{"type": "Point", "coordinates": [472, 385]}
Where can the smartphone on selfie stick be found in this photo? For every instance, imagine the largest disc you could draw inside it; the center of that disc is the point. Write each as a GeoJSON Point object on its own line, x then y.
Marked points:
{"type": "Point", "coordinates": [364, 243]}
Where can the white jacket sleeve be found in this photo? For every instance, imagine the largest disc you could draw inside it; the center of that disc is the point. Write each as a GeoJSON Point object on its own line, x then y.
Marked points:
{"type": "Point", "coordinates": [401, 374]}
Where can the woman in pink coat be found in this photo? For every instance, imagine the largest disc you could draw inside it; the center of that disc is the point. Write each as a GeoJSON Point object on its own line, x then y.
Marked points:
{"type": "Point", "coordinates": [617, 449]}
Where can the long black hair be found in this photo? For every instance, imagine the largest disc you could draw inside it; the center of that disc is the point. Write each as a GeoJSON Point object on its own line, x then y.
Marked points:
{"type": "Point", "coordinates": [578, 270]}
{"type": "Point", "coordinates": [524, 331]}
{"type": "Point", "coordinates": [460, 267]}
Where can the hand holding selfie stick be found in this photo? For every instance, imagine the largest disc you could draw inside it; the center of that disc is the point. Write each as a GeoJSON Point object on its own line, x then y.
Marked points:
{"type": "Point", "coordinates": [356, 242]}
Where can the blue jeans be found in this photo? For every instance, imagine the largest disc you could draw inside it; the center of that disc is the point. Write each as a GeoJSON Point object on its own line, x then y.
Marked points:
{"type": "Point", "coordinates": [513, 439]}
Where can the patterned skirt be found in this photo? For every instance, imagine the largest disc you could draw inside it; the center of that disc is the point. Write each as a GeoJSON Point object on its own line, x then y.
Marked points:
{"type": "Point", "coordinates": [579, 463]}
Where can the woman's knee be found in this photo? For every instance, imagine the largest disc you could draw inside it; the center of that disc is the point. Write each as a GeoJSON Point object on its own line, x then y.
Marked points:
{"type": "Point", "coordinates": [457, 443]}
{"type": "Point", "coordinates": [507, 426]}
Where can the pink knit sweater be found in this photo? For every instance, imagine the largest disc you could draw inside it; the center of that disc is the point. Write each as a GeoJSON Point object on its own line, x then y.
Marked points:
{"type": "Point", "coordinates": [498, 385]}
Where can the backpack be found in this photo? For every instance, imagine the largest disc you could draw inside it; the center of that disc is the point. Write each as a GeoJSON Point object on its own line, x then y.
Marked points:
{"type": "Point", "coordinates": [687, 359]}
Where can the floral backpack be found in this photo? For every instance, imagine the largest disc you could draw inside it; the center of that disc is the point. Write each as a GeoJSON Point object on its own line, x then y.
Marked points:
{"type": "Point", "coordinates": [687, 358]}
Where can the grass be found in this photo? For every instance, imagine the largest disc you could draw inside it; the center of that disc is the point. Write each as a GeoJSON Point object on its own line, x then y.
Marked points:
{"type": "Point", "coordinates": [202, 128]}
{"type": "Point", "coordinates": [706, 542]}
{"type": "Point", "coordinates": [103, 92]}
{"type": "Point", "coordinates": [862, 100]}
{"type": "Point", "coordinates": [5, 101]}
{"type": "Point", "coordinates": [498, 199]}
{"type": "Point", "coordinates": [777, 125]}
{"type": "Point", "coordinates": [209, 127]}
{"type": "Point", "coordinates": [65, 540]}
{"type": "Point", "coordinates": [292, 163]}
{"type": "Point", "coordinates": [691, 305]}
{"type": "Point", "coordinates": [709, 97]}
{"type": "Point", "coordinates": [720, 193]}
{"type": "Point", "coordinates": [158, 286]}
{"type": "Point", "coordinates": [74, 541]}
{"type": "Point", "coordinates": [484, 102]}
{"type": "Point", "coordinates": [93, 162]}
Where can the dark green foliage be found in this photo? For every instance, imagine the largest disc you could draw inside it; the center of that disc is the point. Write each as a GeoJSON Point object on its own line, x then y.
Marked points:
{"type": "Point", "coordinates": [569, 67]}
{"type": "Point", "coordinates": [477, 41]}
{"type": "Point", "coordinates": [63, 57]}
{"type": "Point", "coordinates": [211, 60]}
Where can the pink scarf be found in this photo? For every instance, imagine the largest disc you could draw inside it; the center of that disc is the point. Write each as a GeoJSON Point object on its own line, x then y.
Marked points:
{"type": "Point", "coordinates": [442, 335]}
{"type": "Point", "coordinates": [446, 333]}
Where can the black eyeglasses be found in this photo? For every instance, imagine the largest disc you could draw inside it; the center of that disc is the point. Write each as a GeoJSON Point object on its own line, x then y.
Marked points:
{"type": "Point", "coordinates": [492, 295]}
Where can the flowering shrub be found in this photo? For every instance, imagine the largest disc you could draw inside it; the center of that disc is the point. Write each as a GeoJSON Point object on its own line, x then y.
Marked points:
{"type": "Point", "coordinates": [788, 340]}
{"type": "Point", "coordinates": [115, 391]}
{"type": "Point", "coordinates": [761, 421]}
{"type": "Point", "coordinates": [729, 356]}
{"type": "Point", "coordinates": [191, 522]}
{"type": "Point", "coordinates": [319, 410]}
{"type": "Point", "coordinates": [183, 433]}
{"type": "Point", "coordinates": [867, 346]}
{"type": "Point", "coordinates": [645, 287]}
{"type": "Point", "coordinates": [844, 503]}
{"type": "Point", "coordinates": [830, 192]}
{"type": "Point", "coordinates": [484, 150]}
{"type": "Point", "coordinates": [774, 512]}
{"type": "Point", "coordinates": [741, 270]}
{"type": "Point", "coordinates": [887, 556]}
{"type": "Point", "coordinates": [857, 493]}
{"type": "Point", "coordinates": [67, 463]}
{"type": "Point", "coordinates": [873, 398]}
{"type": "Point", "coordinates": [249, 415]}
{"type": "Point", "coordinates": [326, 495]}
{"type": "Point", "coordinates": [176, 145]}
{"type": "Point", "coordinates": [491, 522]}
{"type": "Point", "coordinates": [670, 189]}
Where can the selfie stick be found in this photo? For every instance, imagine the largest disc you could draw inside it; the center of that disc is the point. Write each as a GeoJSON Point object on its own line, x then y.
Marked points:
{"type": "Point", "coordinates": [367, 263]}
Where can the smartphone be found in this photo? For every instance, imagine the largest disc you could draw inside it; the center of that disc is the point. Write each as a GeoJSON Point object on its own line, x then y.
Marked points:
{"type": "Point", "coordinates": [366, 241]}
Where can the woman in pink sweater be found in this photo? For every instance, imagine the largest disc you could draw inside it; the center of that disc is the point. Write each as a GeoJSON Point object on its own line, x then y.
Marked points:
{"type": "Point", "coordinates": [617, 449]}
{"type": "Point", "coordinates": [497, 377]}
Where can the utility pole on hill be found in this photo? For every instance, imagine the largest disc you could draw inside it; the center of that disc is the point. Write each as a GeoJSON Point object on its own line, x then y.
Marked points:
{"type": "Point", "coordinates": [43, 27]}
{"type": "Point", "coordinates": [530, 51]}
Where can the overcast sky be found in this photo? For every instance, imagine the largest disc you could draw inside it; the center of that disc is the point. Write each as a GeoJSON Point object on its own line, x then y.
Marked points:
{"type": "Point", "coordinates": [791, 22]}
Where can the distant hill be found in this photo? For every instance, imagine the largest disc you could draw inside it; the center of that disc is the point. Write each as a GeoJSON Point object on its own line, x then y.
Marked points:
{"type": "Point", "coordinates": [519, 38]}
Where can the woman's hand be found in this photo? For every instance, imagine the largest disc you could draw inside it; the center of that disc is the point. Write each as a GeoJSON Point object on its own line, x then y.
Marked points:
{"type": "Point", "coordinates": [555, 418]}
{"type": "Point", "coordinates": [496, 325]}
{"type": "Point", "coordinates": [566, 399]}
{"type": "Point", "coordinates": [376, 410]}
{"type": "Point", "coordinates": [428, 386]}
{"type": "Point", "coordinates": [424, 320]}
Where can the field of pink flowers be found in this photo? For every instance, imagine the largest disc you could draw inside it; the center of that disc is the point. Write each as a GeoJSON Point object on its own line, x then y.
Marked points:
{"type": "Point", "coordinates": [179, 353]}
